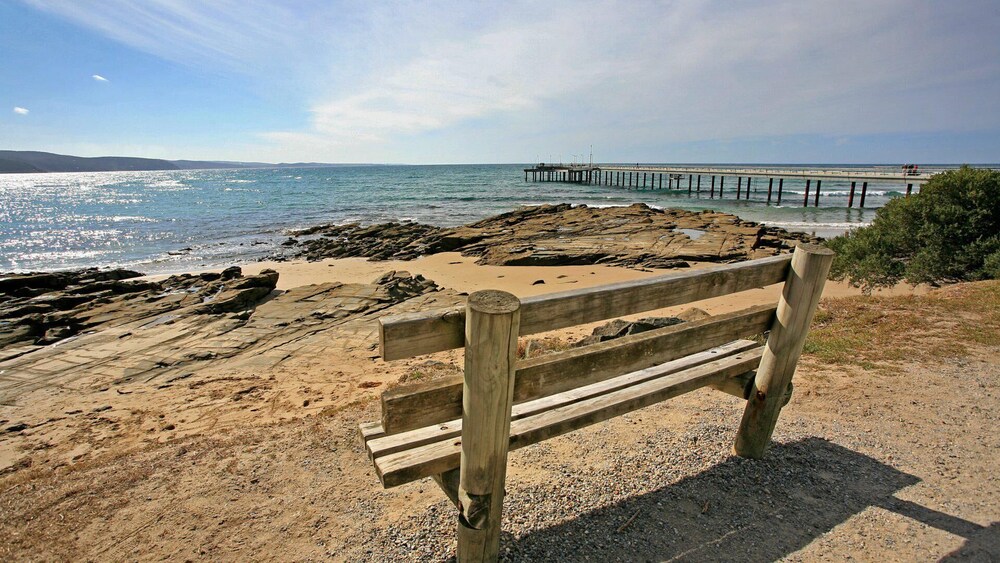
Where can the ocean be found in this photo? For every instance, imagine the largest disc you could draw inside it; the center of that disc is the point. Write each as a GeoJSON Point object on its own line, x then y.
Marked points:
{"type": "Point", "coordinates": [173, 221]}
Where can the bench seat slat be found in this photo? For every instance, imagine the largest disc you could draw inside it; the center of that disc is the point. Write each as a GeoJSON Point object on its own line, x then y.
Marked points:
{"type": "Point", "coordinates": [440, 456]}
{"type": "Point", "coordinates": [415, 406]}
{"type": "Point", "coordinates": [380, 444]}
{"type": "Point", "coordinates": [413, 334]}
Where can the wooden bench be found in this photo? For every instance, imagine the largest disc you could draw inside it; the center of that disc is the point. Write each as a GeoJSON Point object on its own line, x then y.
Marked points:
{"type": "Point", "coordinates": [459, 430]}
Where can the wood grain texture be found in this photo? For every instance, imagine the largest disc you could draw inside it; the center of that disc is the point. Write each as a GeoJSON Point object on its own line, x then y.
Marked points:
{"type": "Point", "coordinates": [437, 457]}
{"type": "Point", "coordinates": [416, 406]}
{"type": "Point", "coordinates": [490, 354]}
{"type": "Point", "coordinates": [796, 307]}
{"type": "Point", "coordinates": [405, 336]}
{"type": "Point", "coordinates": [381, 445]}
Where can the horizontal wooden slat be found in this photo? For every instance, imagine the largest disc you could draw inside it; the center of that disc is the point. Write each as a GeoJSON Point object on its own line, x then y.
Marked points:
{"type": "Point", "coordinates": [380, 445]}
{"type": "Point", "coordinates": [370, 430]}
{"type": "Point", "coordinates": [415, 406]}
{"type": "Point", "coordinates": [409, 335]}
{"type": "Point", "coordinates": [438, 457]}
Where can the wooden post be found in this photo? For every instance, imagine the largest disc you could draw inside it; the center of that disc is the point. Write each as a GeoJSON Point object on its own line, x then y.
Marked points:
{"type": "Point", "coordinates": [781, 184]}
{"type": "Point", "coordinates": [850, 198]}
{"type": "Point", "coordinates": [909, 189]}
{"type": "Point", "coordinates": [770, 188]}
{"type": "Point", "coordinates": [643, 179]}
{"type": "Point", "coordinates": [739, 186]}
{"type": "Point", "coordinates": [630, 179]}
{"type": "Point", "coordinates": [713, 187]}
{"type": "Point", "coordinates": [689, 184]}
{"type": "Point", "coordinates": [699, 183]}
{"type": "Point", "coordinates": [492, 322]}
{"type": "Point", "coordinates": [864, 192]}
{"type": "Point", "coordinates": [661, 180]}
{"type": "Point", "coordinates": [816, 200]}
{"type": "Point", "coordinates": [805, 201]}
{"type": "Point", "coordinates": [803, 288]}
{"type": "Point", "coordinates": [722, 184]}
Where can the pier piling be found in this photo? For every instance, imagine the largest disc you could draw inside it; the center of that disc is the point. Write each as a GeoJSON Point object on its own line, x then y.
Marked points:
{"type": "Point", "coordinates": [850, 197]}
{"type": "Point", "coordinates": [781, 184]}
{"type": "Point", "coordinates": [770, 187]}
{"type": "Point", "coordinates": [805, 200]}
{"type": "Point", "coordinates": [864, 192]}
{"type": "Point", "coordinates": [816, 200]}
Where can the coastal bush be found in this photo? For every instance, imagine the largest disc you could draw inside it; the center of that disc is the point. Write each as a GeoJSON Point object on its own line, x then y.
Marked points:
{"type": "Point", "coordinates": [948, 232]}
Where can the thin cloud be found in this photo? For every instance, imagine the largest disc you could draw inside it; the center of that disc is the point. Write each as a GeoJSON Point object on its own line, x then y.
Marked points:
{"type": "Point", "coordinates": [98, 78]}
{"type": "Point", "coordinates": [21, 111]}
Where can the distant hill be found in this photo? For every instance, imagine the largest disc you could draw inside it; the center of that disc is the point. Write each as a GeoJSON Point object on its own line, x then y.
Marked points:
{"type": "Point", "coordinates": [32, 161]}
{"type": "Point", "coordinates": [13, 162]}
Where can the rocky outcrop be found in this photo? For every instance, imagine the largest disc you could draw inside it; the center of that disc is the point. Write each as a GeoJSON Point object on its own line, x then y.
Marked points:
{"type": "Point", "coordinates": [43, 308]}
{"type": "Point", "coordinates": [636, 236]}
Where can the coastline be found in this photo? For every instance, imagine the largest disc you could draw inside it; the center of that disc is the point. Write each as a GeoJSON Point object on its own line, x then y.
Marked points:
{"type": "Point", "coordinates": [199, 411]}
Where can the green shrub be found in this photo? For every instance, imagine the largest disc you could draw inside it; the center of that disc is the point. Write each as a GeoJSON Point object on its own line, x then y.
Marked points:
{"type": "Point", "coordinates": [948, 232]}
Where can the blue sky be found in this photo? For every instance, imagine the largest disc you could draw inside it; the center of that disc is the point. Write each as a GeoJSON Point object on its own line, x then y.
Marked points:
{"type": "Point", "coordinates": [422, 82]}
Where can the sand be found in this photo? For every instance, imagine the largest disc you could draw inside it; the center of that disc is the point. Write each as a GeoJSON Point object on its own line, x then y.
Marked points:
{"type": "Point", "coordinates": [255, 456]}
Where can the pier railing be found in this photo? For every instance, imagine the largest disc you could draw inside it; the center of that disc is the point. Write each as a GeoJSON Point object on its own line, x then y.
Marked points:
{"type": "Point", "coordinates": [652, 177]}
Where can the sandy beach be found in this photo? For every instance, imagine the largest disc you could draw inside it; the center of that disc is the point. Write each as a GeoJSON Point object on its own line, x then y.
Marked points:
{"type": "Point", "coordinates": [232, 435]}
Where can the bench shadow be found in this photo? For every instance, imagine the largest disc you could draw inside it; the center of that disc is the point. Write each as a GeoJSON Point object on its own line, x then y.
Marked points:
{"type": "Point", "coordinates": [742, 510]}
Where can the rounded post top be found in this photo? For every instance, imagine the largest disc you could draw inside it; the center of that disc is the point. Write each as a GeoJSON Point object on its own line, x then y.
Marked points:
{"type": "Point", "coordinates": [811, 248]}
{"type": "Point", "coordinates": [493, 302]}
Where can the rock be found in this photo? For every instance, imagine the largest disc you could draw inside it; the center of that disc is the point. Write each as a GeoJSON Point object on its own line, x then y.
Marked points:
{"type": "Point", "coordinates": [16, 427]}
{"type": "Point", "coordinates": [636, 236]}
{"type": "Point", "coordinates": [232, 272]}
{"type": "Point", "coordinates": [58, 333]}
{"type": "Point", "coordinates": [618, 328]}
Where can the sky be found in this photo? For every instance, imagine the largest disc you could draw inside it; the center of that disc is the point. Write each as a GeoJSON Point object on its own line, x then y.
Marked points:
{"type": "Point", "coordinates": [485, 82]}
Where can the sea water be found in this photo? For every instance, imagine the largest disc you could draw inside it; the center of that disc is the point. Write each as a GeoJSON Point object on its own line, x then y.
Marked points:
{"type": "Point", "coordinates": [176, 220]}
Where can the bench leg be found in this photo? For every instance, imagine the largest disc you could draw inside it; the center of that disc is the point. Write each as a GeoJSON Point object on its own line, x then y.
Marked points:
{"type": "Point", "coordinates": [492, 321]}
{"type": "Point", "coordinates": [803, 288]}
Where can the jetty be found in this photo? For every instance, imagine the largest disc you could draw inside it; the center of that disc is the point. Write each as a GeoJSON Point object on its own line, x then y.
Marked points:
{"type": "Point", "coordinates": [699, 179]}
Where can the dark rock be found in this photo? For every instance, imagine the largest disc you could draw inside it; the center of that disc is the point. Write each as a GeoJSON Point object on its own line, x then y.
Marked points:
{"type": "Point", "coordinates": [619, 328]}
{"type": "Point", "coordinates": [636, 236]}
{"type": "Point", "coordinates": [232, 272]}
{"type": "Point", "coordinates": [57, 333]}
{"type": "Point", "coordinates": [395, 287]}
{"type": "Point", "coordinates": [16, 427]}
{"type": "Point", "coordinates": [266, 278]}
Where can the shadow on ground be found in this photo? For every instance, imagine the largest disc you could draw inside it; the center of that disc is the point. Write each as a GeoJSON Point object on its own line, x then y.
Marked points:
{"type": "Point", "coordinates": [748, 511]}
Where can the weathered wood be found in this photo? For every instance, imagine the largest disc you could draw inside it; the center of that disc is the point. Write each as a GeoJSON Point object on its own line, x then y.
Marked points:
{"type": "Point", "coordinates": [449, 481]}
{"type": "Point", "coordinates": [438, 457]}
{"type": "Point", "coordinates": [739, 386]}
{"type": "Point", "coordinates": [850, 198]}
{"type": "Point", "coordinates": [371, 430]}
{"type": "Point", "coordinates": [735, 386]}
{"type": "Point", "coordinates": [490, 353]}
{"type": "Point", "coordinates": [404, 336]}
{"type": "Point", "coordinates": [419, 405]}
{"type": "Point", "coordinates": [379, 446]}
{"type": "Point", "coordinates": [806, 278]}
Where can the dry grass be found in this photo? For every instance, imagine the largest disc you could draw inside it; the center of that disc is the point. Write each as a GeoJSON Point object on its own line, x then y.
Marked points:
{"type": "Point", "coordinates": [882, 332]}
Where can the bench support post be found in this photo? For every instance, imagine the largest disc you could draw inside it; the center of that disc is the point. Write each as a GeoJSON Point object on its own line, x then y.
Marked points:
{"type": "Point", "coordinates": [799, 297]}
{"type": "Point", "coordinates": [492, 323]}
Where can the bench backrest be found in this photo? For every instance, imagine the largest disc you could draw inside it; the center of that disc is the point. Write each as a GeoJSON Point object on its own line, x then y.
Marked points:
{"type": "Point", "coordinates": [459, 430]}
{"type": "Point", "coordinates": [413, 406]}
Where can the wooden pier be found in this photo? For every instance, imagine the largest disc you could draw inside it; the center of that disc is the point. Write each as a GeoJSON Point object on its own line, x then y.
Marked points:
{"type": "Point", "coordinates": [691, 178]}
